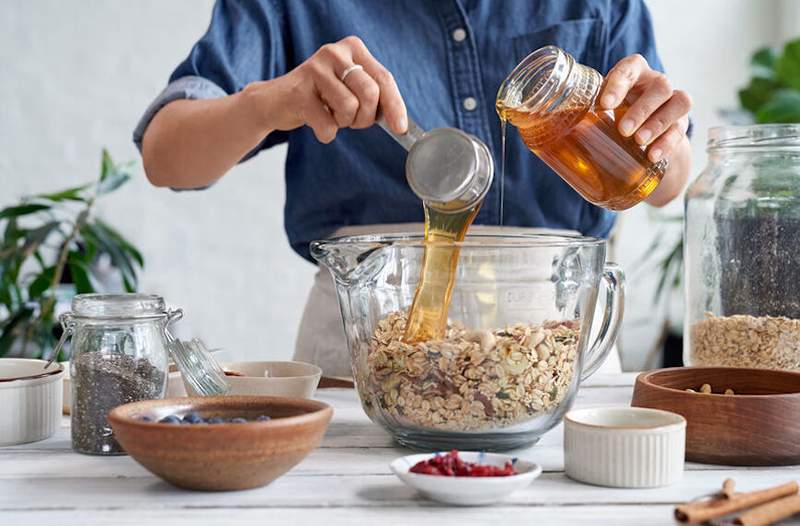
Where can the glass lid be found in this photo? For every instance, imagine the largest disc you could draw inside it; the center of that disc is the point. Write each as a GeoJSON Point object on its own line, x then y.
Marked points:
{"type": "Point", "coordinates": [118, 306]}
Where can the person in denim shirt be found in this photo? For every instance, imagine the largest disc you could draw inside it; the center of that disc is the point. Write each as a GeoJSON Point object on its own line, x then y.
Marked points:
{"type": "Point", "coordinates": [274, 71]}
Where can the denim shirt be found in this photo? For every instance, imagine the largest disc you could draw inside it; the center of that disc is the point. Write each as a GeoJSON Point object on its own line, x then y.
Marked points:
{"type": "Point", "coordinates": [448, 58]}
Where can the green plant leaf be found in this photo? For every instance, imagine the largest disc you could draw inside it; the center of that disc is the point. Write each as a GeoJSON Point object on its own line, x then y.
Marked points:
{"type": "Point", "coordinates": [41, 283]}
{"type": "Point", "coordinates": [757, 93]}
{"type": "Point", "coordinates": [787, 66]}
{"type": "Point", "coordinates": [106, 165]}
{"type": "Point", "coordinates": [89, 252]}
{"type": "Point", "coordinates": [112, 182]}
{"type": "Point", "coordinates": [763, 62]}
{"type": "Point", "coordinates": [112, 175]}
{"type": "Point", "coordinates": [12, 232]}
{"type": "Point", "coordinates": [783, 107]}
{"type": "Point", "coordinates": [80, 274]}
{"type": "Point", "coordinates": [34, 238]}
{"type": "Point", "coordinates": [119, 258]}
{"type": "Point", "coordinates": [124, 243]}
{"type": "Point", "coordinates": [70, 194]}
{"type": "Point", "coordinates": [8, 328]}
{"type": "Point", "coordinates": [22, 210]}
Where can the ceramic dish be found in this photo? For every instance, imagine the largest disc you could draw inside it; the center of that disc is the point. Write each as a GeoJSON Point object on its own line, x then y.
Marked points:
{"type": "Point", "coordinates": [756, 426]}
{"type": "Point", "coordinates": [467, 491]}
{"type": "Point", "coordinates": [30, 400]}
{"type": "Point", "coordinates": [625, 447]}
{"type": "Point", "coordinates": [295, 379]}
{"type": "Point", "coordinates": [221, 457]}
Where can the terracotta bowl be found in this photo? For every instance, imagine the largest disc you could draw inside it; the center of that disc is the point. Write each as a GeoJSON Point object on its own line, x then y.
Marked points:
{"type": "Point", "coordinates": [756, 426]}
{"type": "Point", "coordinates": [221, 457]}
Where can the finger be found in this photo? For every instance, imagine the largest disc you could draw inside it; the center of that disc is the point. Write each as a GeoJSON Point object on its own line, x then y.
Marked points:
{"type": "Point", "coordinates": [665, 145]}
{"type": "Point", "coordinates": [338, 97]}
{"type": "Point", "coordinates": [669, 113]}
{"type": "Point", "coordinates": [390, 101]}
{"type": "Point", "coordinates": [621, 79]}
{"type": "Point", "coordinates": [317, 116]}
{"type": "Point", "coordinates": [658, 92]}
{"type": "Point", "coordinates": [683, 123]}
{"type": "Point", "coordinates": [368, 94]}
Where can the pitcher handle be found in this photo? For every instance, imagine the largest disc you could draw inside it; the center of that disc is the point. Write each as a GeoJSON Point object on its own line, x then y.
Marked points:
{"type": "Point", "coordinates": [614, 281]}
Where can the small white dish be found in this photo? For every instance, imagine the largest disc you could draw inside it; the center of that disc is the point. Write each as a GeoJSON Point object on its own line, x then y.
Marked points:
{"type": "Point", "coordinates": [467, 491]}
{"type": "Point", "coordinates": [30, 400]}
{"type": "Point", "coordinates": [624, 447]}
{"type": "Point", "coordinates": [295, 379]}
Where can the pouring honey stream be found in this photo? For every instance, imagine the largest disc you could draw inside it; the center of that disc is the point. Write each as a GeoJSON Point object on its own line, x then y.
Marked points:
{"type": "Point", "coordinates": [427, 318]}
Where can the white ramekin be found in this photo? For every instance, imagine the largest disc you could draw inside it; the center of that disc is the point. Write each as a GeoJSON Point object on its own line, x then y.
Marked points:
{"type": "Point", "coordinates": [30, 400]}
{"type": "Point", "coordinates": [626, 447]}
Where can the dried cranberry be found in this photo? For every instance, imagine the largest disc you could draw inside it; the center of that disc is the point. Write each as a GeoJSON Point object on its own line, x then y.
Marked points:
{"type": "Point", "coordinates": [451, 465]}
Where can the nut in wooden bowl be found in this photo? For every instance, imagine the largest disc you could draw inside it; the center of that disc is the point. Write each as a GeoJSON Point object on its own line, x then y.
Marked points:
{"type": "Point", "coordinates": [258, 439]}
{"type": "Point", "coordinates": [755, 426]}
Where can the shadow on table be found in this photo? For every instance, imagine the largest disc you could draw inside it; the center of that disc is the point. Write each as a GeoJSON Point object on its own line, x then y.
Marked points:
{"type": "Point", "coordinates": [389, 493]}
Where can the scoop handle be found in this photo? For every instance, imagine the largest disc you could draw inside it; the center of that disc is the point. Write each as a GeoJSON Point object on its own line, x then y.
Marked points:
{"type": "Point", "coordinates": [407, 139]}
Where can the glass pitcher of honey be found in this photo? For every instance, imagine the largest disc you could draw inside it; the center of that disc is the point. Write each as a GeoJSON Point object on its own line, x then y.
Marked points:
{"type": "Point", "coordinates": [550, 99]}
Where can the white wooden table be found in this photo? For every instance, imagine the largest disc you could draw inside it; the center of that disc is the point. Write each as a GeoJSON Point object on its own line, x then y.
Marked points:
{"type": "Point", "coordinates": [345, 482]}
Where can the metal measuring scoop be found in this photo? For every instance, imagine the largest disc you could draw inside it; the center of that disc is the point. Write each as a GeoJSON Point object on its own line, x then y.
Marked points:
{"type": "Point", "coordinates": [447, 168]}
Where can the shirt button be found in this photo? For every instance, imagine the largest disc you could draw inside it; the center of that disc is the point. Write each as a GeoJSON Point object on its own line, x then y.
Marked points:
{"type": "Point", "coordinates": [459, 35]}
{"type": "Point", "coordinates": [470, 103]}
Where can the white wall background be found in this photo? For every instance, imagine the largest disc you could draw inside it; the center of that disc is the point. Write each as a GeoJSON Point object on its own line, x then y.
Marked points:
{"type": "Point", "coordinates": [76, 75]}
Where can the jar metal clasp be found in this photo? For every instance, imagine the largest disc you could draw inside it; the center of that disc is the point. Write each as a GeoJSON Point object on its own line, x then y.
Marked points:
{"type": "Point", "coordinates": [68, 326]}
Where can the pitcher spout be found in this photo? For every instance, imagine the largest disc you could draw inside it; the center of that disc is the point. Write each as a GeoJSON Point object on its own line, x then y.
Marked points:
{"type": "Point", "coordinates": [350, 260]}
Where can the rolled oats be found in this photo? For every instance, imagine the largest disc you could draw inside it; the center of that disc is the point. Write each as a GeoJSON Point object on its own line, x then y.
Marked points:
{"type": "Point", "coordinates": [767, 342]}
{"type": "Point", "coordinates": [471, 380]}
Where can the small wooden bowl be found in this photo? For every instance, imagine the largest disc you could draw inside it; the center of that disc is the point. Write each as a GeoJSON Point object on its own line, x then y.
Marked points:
{"type": "Point", "coordinates": [757, 426]}
{"type": "Point", "coordinates": [221, 457]}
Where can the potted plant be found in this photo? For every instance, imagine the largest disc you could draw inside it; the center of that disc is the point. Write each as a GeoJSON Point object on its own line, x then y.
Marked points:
{"type": "Point", "coordinates": [49, 250]}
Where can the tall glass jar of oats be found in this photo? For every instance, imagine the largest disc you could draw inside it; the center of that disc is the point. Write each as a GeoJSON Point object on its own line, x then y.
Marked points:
{"type": "Point", "coordinates": [742, 250]}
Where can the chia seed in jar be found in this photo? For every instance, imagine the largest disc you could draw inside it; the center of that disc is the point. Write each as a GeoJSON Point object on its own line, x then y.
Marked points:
{"type": "Point", "coordinates": [102, 382]}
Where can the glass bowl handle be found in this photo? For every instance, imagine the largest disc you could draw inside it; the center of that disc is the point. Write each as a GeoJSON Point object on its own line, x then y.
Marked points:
{"type": "Point", "coordinates": [614, 281]}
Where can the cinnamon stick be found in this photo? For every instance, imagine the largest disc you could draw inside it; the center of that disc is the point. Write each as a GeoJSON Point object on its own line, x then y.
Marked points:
{"type": "Point", "coordinates": [728, 488]}
{"type": "Point", "coordinates": [770, 513]}
{"type": "Point", "coordinates": [697, 512]}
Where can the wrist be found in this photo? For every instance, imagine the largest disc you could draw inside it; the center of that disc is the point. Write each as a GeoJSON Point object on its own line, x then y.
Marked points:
{"type": "Point", "coordinates": [253, 108]}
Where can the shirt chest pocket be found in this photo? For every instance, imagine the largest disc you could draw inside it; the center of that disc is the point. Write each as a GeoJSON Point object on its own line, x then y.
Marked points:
{"type": "Point", "coordinates": [584, 39]}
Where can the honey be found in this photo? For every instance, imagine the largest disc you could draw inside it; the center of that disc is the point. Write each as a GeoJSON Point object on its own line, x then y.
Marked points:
{"type": "Point", "coordinates": [445, 226]}
{"type": "Point", "coordinates": [550, 99]}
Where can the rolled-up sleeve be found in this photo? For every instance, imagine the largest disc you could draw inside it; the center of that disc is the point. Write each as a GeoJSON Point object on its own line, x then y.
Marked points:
{"type": "Point", "coordinates": [183, 88]}
{"type": "Point", "coordinates": [244, 43]}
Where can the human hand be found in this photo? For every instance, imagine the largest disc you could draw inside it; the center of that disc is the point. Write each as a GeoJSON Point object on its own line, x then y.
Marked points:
{"type": "Point", "coordinates": [647, 107]}
{"type": "Point", "coordinates": [327, 93]}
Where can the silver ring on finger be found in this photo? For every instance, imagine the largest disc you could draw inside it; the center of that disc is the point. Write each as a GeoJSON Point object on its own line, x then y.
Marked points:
{"type": "Point", "coordinates": [350, 69]}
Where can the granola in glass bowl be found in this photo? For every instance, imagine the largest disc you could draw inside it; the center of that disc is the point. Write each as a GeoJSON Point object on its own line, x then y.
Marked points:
{"type": "Point", "coordinates": [471, 380]}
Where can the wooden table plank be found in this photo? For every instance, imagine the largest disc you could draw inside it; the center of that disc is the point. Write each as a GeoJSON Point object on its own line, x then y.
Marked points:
{"type": "Point", "coordinates": [337, 491]}
{"type": "Point", "coordinates": [340, 461]}
{"type": "Point", "coordinates": [422, 515]}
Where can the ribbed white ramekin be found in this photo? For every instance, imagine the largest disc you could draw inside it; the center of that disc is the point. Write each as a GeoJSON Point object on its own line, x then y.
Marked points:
{"type": "Point", "coordinates": [30, 400]}
{"type": "Point", "coordinates": [626, 447]}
